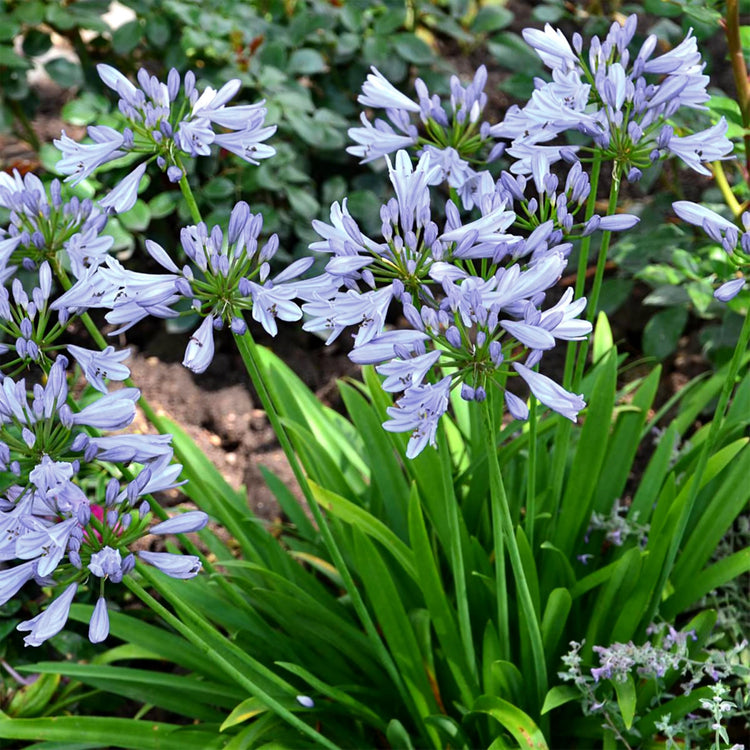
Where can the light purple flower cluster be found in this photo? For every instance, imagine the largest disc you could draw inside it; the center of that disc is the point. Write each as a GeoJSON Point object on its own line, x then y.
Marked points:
{"type": "Point", "coordinates": [452, 136]}
{"type": "Point", "coordinates": [166, 120]}
{"type": "Point", "coordinates": [228, 274]}
{"type": "Point", "coordinates": [621, 101]}
{"type": "Point", "coordinates": [64, 512]}
{"type": "Point", "coordinates": [47, 227]}
{"type": "Point", "coordinates": [726, 233]}
{"type": "Point", "coordinates": [47, 236]}
{"type": "Point", "coordinates": [471, 294]}
{"type": "Point", "coordinates": [551, 205]}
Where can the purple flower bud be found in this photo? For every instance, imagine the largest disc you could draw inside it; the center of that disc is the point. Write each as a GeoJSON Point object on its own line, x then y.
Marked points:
{"type": "Point", "coordinates": [83, 514]}
{"type": "Point", "coordinates": [516, 406]}
{"type": "Point", "coordinates": [185, 523]}
{"type": "Point", "coordinates": [591, 225]}
{"type": "Point", "coordinates": [176, 566]}
{"type": "Point", "coordinates": [467, 392]}
{"type": "Point", "coordinates": [174, 174]}
{"type": "Point", "coordinates": [634, 174]}
{"type": "Point", "coordinates": [618, 222]}
{"type": "Point", "coordinates": [99, 623]}
{"type": "Point", "coordinates": [568, 155]}
{"type": "Point", "coordinates": [729, 290]}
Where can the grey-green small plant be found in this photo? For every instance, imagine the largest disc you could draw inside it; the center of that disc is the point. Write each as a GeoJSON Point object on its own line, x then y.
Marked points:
{"type": "Point", "coordinates": [626, 671]}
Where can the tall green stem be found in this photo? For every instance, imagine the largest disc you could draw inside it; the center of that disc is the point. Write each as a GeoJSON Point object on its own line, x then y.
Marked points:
{"type": "Point", "coordinates": [501, 517]}
{"type": "Point", "coordinates": [596, 287]}
{"type": "Point", "coordinates": [564, 426]}
{"type": "Point", "coordinates": [189, 197]}
{"type": "Point", "coordinates": [583, 260]}
{"type": "Point", "coordinates": [707, 449]}
{"type": "Point", "coordinates": [531, 474]}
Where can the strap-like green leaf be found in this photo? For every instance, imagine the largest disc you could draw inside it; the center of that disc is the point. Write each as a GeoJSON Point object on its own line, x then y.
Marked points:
{"type": "Point", "coordinates": [121, 733]}
{"type": "Point", "coordinates": [516, 722]}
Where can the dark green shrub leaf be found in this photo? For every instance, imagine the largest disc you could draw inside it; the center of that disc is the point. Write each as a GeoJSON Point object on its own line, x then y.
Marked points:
{"type": "Point", "coordinates": [127, 37]}
{"type": "Point", "coordinates": [218, 188]}
{"type": "Point", "coordinates": [389, 22]}
{"type": "Point", "coordinates": [491, 18]}
{"type": "Point", "coordinates": [158, 30]}
{"type": "Point", "coordinates": [306, 62]}
{"type": "Point", "coordinates": [667, 295]}
{"type": "Point", "coordinates": [663, 331]}
{"type": "Point", "coordinates": [273, 54]}
{"type": "Point", "coordinates": [60, 16]}
{"type": "Point", "coordinates": [302, 202]}
{"type": "Point", "coordinates": [661, 9]}
{"type": "Point", "coordinates": [138, 218]}
{"type": "Point", "coordinates": [519, 85]}
{"type": "Point", "coordinates": [548, 13]}
{"type": "Point", "coordinates": [413, 49]}
{"type": "Point", "coordinates": [9, 58]}
{"type": "Point", "coordinates": [163, 205]}
{"type": "Point", "coordinates": [84, 109]}
{"type": "Point", "coordinates": [511, 52]}
{"type": "Point", "coordinates": [36, 43]}
{"type": "Point", "coordinates": [64, 72]}
{"type": "Point", "coordinates": [351, 17]}
{"type": "Point", "coordinates": [30, 12]}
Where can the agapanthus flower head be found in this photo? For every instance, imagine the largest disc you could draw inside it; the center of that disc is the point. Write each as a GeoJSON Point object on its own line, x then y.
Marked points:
{"type": "Point", "coordinates": [228, 275]}
{"type": "Point", "coordinates": [44, 225]}
{"type": "Point", "coordinates": [412, 243]}
{"type": "Point", "coordinates": [621, 100]}
{"type": "Point", "coordinates": [451, 133]}
{"type": "Point", "coordinates": [546, 201]}
{"type": "Point", "coordinates": [461, 329]}
{"type": "Point", "coordinates": [166, 121]}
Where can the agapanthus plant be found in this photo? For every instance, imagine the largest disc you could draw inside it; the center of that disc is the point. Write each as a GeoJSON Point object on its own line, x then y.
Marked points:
{"type": "Point", "coordinates": [726, 233]}
{"type": "Point", "coordinates": [75, 501]}
{"type": "Point", "coordinates": [166, 121]}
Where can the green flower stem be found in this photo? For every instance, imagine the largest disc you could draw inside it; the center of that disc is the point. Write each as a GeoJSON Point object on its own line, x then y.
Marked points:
{"type": "Point", "coordinates": [583, 259]}
{"type": "Point", "coordinates": [458, 564]}
{"type": "Point", "coordinates": [601, 261]}
{"type": "Point", "coordinates": [726, 190]}
{"type": "Point", "coordinates": [707, 449]}
{"type": "Point", "coordinates": [249, 352]}
{"type": "Point", "coordinates": [205, 637]}
{"type": "Point", "coordinates": [501, 518]}
{"type": "Point", "coordinates": [188, 195]}
{"type": "Point", "coordinates": [564, 426]}
{"type": "Point", "coordinates": [531, 474]}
